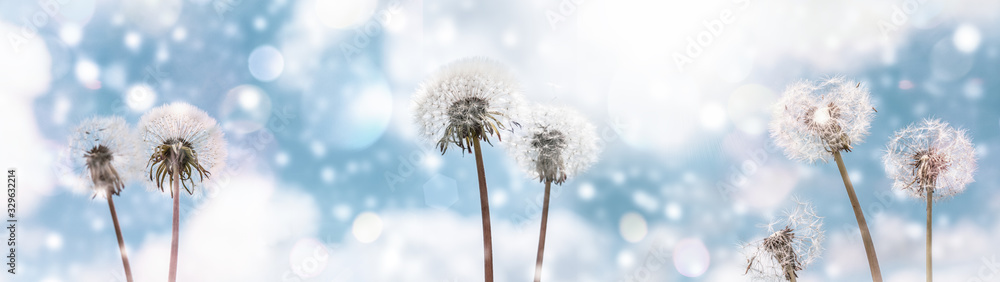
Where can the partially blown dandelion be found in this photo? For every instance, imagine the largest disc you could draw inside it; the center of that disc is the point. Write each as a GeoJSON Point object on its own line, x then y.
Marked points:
{"type": "Point", "coordinates": [105, 151]}
{"type": "Point", "coordinates": [184, 145]}
{"type": "Point", "coordinates": [788, 250]}
{"type": "Point", "coordinates": [465, 102]}
{"type": "Point", "coordinates": [553, 145]}
{"type": "Point", "coordinates": [930, 160]}
{"type": "Point", "coordinates": [814, 121]}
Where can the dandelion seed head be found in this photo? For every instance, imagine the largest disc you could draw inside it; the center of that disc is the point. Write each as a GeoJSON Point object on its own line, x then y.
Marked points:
{"type": "Point", "coordinates": [104, 153]}
{"type": "Point", "coordinates": [553, 143]}
{"type": "Point", "coordinates": [469, 99]}
{"type": "Point", "coordinates": [930, 156]}
{"type": "Point", "coordinates": [813, 119]}
{"type": "Point", "coordinates": [184, 134]}
{"type": "Point", "coordinates": [793, 247]}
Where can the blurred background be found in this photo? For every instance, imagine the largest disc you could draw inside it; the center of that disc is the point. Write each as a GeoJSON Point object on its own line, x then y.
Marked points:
{"type": "Point", "coordinates": [327, 180]}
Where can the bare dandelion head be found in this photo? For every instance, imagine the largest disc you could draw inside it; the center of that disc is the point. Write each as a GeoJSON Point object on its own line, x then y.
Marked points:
{"type": "Point", "coordinates": [470, 99]}
{"type": "Point", "coordinates": [103, 151]}
{"type": "Point", "coordinates": [184, 136]}
{"type": "Point", "coordinates": [930, 156]}
{"type": "Point", "coordinates": [554, 143]}
{"type": "Point", "coordinates": [787, 250]}
{"type": "Point", "coordinates": [813, 120]}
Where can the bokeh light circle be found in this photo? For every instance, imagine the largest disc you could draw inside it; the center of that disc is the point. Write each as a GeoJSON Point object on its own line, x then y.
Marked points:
{"type": "Point", "coordinates": [140, 97]}
{"type": "Point", "coordinates": [367, 227]}
{"type": "Point", "coordinates": [245, 109]}
{"type": "Point", "coordinates": [632, 227]}
{"type": "Point", "coordinates": [266, 63]}
{"type": "Point", "coordinates": [344, 13]}
{"type": "Point", "coordinates": [691, 257]}
{"type": "Point", "coordinates": [967, 38]}
{"type": "Point", "coordinates": [351, 113]}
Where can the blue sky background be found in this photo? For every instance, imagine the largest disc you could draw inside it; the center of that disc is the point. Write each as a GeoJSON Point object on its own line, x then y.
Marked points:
{"type": "Point", "coordinates": [327, 180]}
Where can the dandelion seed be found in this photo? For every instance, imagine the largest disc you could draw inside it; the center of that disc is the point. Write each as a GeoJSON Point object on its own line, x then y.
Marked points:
{"type": "Point", "coordinates": [930, 156]}
{"type": "Point", "coordinates": [812, 120]}
{"type": "Point", "coordinates": [466, 100]}
{"type": "Point", "coordinates": [554, 144]}
{"type": "Point", "coordinates": [781, 255]}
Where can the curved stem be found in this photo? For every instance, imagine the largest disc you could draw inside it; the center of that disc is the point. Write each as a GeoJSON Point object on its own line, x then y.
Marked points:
{"type": "Point", "coordinates": [176, 194]}
{"type": "Point", "coordinates": [121, 241]}
{"type": "Point", "coordinates": [862, 224]}
{"type": "Point", "coordinates": [930, 204]}
{"type": "Point", "coordinates": [791, 274]}
{"type": "Point", "coordinates": [485, 203]}
{"type": "Point", "coordinates": [541, 235]}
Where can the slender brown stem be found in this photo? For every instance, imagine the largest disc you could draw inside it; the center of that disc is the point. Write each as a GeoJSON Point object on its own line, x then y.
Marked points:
{"type": "Point", "coordinates": [176, 194]}
{"type": "Point", "coordinates": [485, 203]}
{"type": "Point", "coordinates": [121, 241]}
{"type": "Point", "coordinates": [791, 274]}
{"type": "Point", "coordinates": [930, 204]}
{"type": "Point", "coordinates": [865, 235]}
{"type": "Point", "coordinates": [541, 234]}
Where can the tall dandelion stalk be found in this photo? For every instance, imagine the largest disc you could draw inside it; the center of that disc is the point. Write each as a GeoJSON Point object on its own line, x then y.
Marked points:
{"type": "Point", "coordinates": [794, 243]}
{"type": "Point", "coordinates": [466, 102]}
{"type": "Point", "coordinates": [186, 146]}
{"type": "Point", "coordinates": [930, 160]}
{"type": "Point", "coordinates": [553, 145]}
{"type": "Point", "coordinates": [105, 149]}
{"type": "Point", "coordinates": [814, 121]}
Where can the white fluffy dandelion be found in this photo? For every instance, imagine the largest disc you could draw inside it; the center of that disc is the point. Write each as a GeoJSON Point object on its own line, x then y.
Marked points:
{"type": "Point", "coordinates": [792, 246]}
{"type": "Point", "coordinates": [553, 145]}
{"type": "Point", "coordinates": [462, 104]}
{"type": "Point", "coordinates": [468, 99]}
{"type": "Point", "coordinates": [186, 146]}
{"type": "Point", "coordinates": [930, 156]}
{"type": "Point", "coordinates": [813, 120]}
{"type": "Point", "coordinates": [184, 135]}
{"type": "Point", "coordinates": [930, 160]}
{"type": "Point", "coordinates": [816, 121]}
{"type": "Point", "coordinates": [104, 150]}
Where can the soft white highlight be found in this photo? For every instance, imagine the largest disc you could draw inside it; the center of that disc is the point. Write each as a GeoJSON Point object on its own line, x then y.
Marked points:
{"type": "Point", "coordinates": [930, 155]}
{"type": "Point", "coordinates": [813, 120]}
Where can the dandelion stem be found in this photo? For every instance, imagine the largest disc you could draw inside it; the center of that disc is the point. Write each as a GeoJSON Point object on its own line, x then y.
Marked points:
{"type": "Point", "coordinates": [865, 235]}
{"type": "Point", "coordinates": [791, 273]}
{"type": "Point", "coordinates": [176, 194]}
{"type": "Point", "coordinates": [485, 203]}
{"type": "Point", "coordinates": [541, 235]}
{"type": "Point", "coordinates": [930, 204]}
{"type": "Point", "coordinates": [121, 241]}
